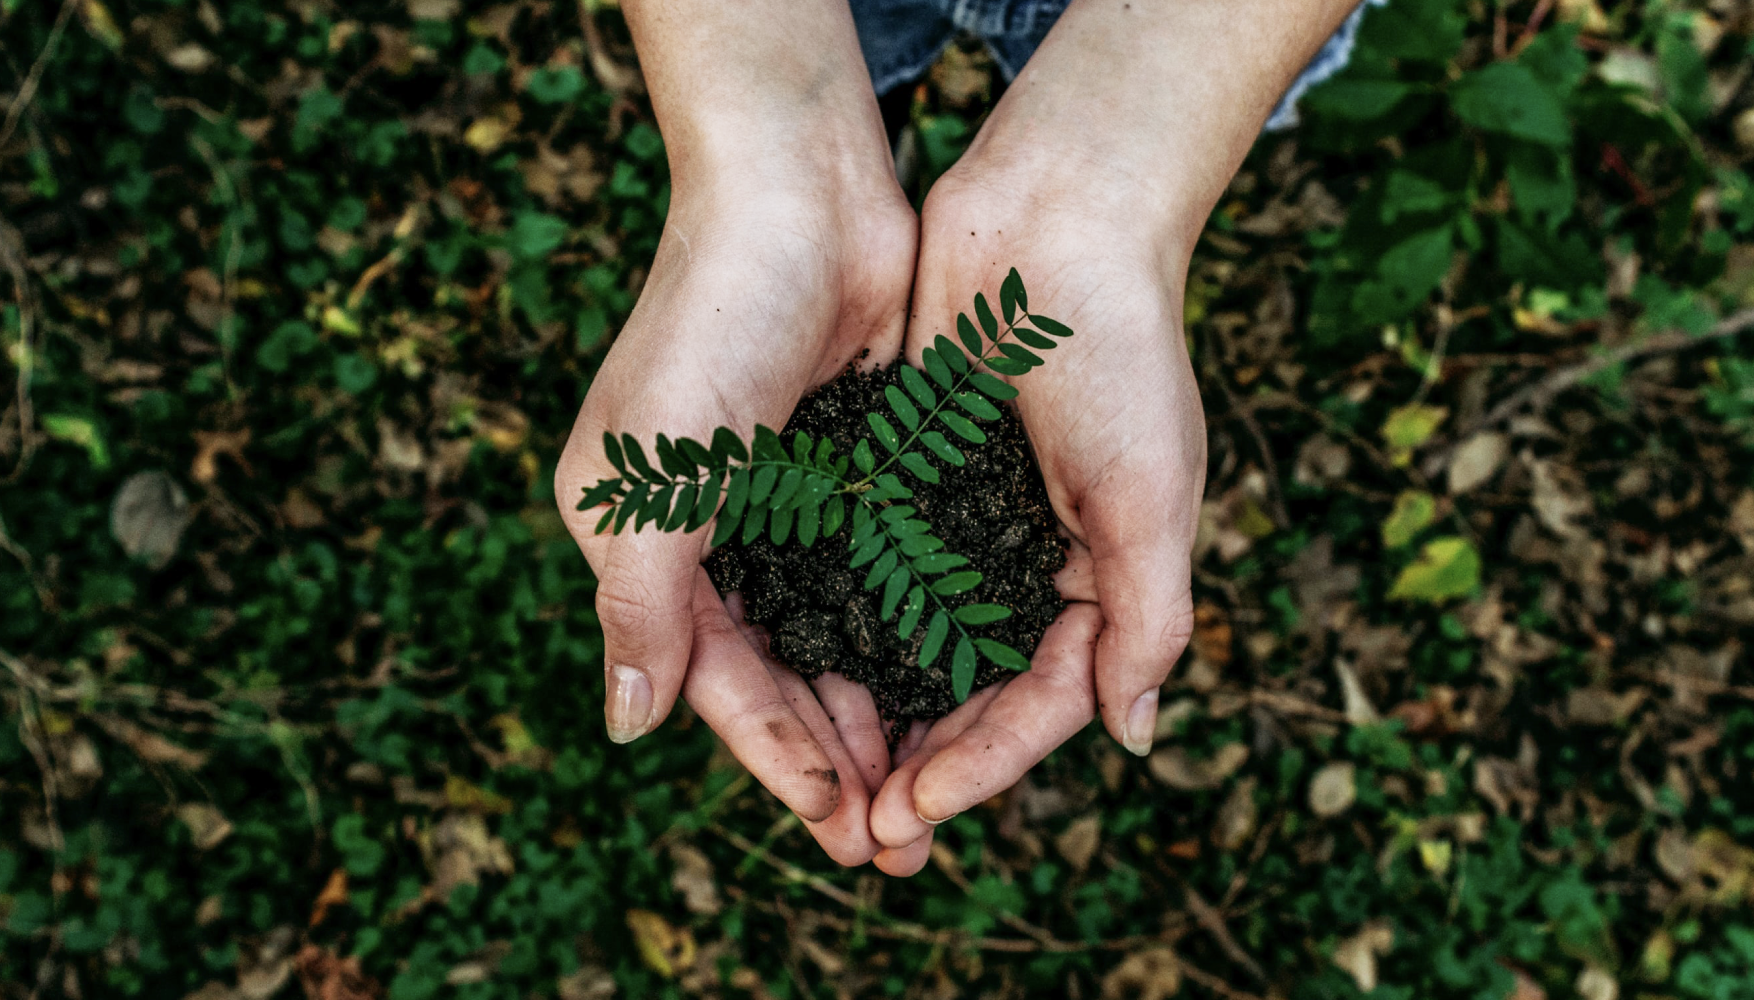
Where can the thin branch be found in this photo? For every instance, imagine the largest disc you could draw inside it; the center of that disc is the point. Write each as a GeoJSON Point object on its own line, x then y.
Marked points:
{"type": "Point", "coordinates": [28, 90]}
{"type": "Point", "coordinates": [12, 256]}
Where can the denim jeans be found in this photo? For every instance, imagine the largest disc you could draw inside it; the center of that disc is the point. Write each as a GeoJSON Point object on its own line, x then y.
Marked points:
{"type": "Point", "coordinates": [902, 38]}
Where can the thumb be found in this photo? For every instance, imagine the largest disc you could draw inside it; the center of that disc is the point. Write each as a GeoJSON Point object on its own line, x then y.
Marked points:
{"type": "Point", "coordinates": [1142, 574]}
{"type": "Point", "coordinates": [645, 606]}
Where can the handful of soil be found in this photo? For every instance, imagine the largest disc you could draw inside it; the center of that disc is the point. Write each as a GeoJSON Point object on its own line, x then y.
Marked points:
{"type": "Point", "coordinates": [994, 510]}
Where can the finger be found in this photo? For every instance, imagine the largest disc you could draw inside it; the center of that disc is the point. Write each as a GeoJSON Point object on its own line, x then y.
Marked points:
{"type": "Point", "coordinates": [1036, 712]}
{"type": "Point", "coordinates": [854, 716]}
{"type": "Point", "coordinates": [732, 690]}
{"type": "Point", "coordinates": [904, 861]}
{"type": "Point", "coordinates": [894, 820]}
{"type": "Point", "coordinates": [846, 833]}
{"type": "Point", "coordinates": [1141, 563]}
{"type": "Point", "coordinates": [645, 603]}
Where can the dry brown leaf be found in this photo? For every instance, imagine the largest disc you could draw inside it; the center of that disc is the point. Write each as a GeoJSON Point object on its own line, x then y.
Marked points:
{"type": "Point", "coordinates": [207, 825]}
{"type": "Point", "coordinates": [209, 445]}
{"type": "Point", "coordinates": [1357, 954]}
{"type": "Point", "coordinates": [1322, 460]}
{"type": "Point", "coordinates": [1212, 635]}
{"type": "Point", "coordinates": [1742, 520]}
{"type": "Point", "coordinates": [1236, 820]}
{"type": "Point", "coordinates": [461, 850]}
{"type": "Point", "coordinates": [593, 982]}
{"type": "Point", "coordinates": [1526, 988]}
{"type": "Point", "coordinates": [1476, 461]}
{"type": "Point", "coordinates": [1079, 841]}
{"type": "Point", "coordinates": [694, 880]}
{"type": "Point", "coordinates": [148, 517]}
{"type": "Point", "coordinates": [190, 58]}
{"type": "Point", "coordinates": [1176, 768]}
{"type": "Point", "coordinates": [153, 748]}
{"type": "Point", "coordinates": [1595, 706]}
{"type": "Point", "coordinates": [334, 894]}
{"type": "Point", "coordinates": [1151, 974]}
{"type": "Point", "coordinates": [327, 976]}
{"type": "Point", "coordinates": [1333, 789]}
{"type": "Point", "coordinates": [1597, 983]}
{"type": "Point", "coordinates": [1359, 710]}
{"type": "Point", "coordinates": [1560, 498]}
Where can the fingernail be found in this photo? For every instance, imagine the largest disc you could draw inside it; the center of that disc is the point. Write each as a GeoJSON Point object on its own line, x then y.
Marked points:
{"type": "Point", "coordinates": [1141, 723]}
{"type": "Point", "coordinates": [935, 822]}
{"type": "Point", "coordinates": [628, 710]}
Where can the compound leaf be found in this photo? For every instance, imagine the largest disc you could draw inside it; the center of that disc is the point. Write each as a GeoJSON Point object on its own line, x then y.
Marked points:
{"type": "Point", "coordinates": [963, 427]}
{"type": "Point", "coordinates": [993, 387]}
{"type": "Point", "coordinates": [942, 448]}
{"type": "Point", "coordinates": [910, 613]}
{"type": "Point", "coordinates": [966, 332]}
{"type": "Point", "coordinates": [680, 513]}
{"type": "Point", "coordinates": [600, 493]}
{"type": "Point", "coordinates": [728, 444]}
{"type": "Point", "coordinates": [977, 405]}
{"type": "Point", "coordinates": [903, 407]}
{"type": "Point", "coordinates": [1052, 327]}
{"type": "Point", "coordinates": [957, 583]}
{"type": "Point", "coordinates": [962, 664]}
{"type": "Point", "coordinates": [919, 466]}
{"type": "Point", "coordinates": [762, 485]}
{"type": "Point", "coordinates": [936, 630]}
{"type": "Point", "coordinates": [1007, 366]}
{"type": "Point", "coordinates": [982, 614]}
{"type": "Point", "coordinates": [936, 367]}
{"type": "Point", "coordinates": [952, 357]}
{"type": "Point", "coordinates": [893, 589]}
{"type": "Point", "coordinates": [612, 448]}
{"type": "Point", "coordinates": [780, 525]}
{"type": "Point", "coordinates": [885, 432]}
{"type": "Point", "coordinates": [1002, 654]}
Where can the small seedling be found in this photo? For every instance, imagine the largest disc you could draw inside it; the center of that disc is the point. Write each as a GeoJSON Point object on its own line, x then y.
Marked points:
{"type": "Point", "coordinates": [811, 492]}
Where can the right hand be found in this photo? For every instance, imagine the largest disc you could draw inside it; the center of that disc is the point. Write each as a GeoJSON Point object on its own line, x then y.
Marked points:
{"type": "Point", "coordinates": [758, 293]}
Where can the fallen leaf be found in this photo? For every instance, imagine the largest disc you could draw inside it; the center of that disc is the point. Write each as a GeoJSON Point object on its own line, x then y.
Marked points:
{"type": "Point", "coordinates": [1333, 789]}
{"type": "Point", "coordinates": [1359, 710]}
{"type": "Point", "coordinates": [1560, 498]}
{"type": "Point", "coordinates": [209, 445]}
{"type": "Point", "coordinates": [1237, 818]}
{"type": "Point", "coordinates": [153, 748]}
{"type": "Point", "coordinates": [1447, 568]}
{"type": "Point", "coordinates": [1597, 983]}
{"type": "Point", "coordinates": [434, 10]}
{"type": "Point", "coordinates": [1476, 461]}
{"type": "Point", "coordinates": [1742, 520]}
{"type": "Point", "coordinates": [1526, 988]}
{"type": "Point", "coordinates": [207, 825]}
{"type": "Point", "coordinates": [1151, 974]}
{"type": "Point", "coordinates": [327, 976]}
{"type": "Point", "coordinates": [592, 982]}
{"type": "Point", "coordinates": [190, 58]}
{"type": "Point", "coordinates": [1357, 954]}
{"type": "Point", "coordinates": [694, 880]}
{"type": "Point", "coordinates": [1409, 427]}
{"type": "Point", "coordinates": [334, 894]}
{"type": "Point", "coordinates": [666, 950]}
{"type": "Point", "coordinates": [1413, 512]}
{"type": "Point", "coordinates": [1079, 841]}
{"type": "Point", "coordinates": [461, 849]}
{"type": "Point", "coordinates": [1176, 768]}
{"type": "Point", "coordinates": [101, 23]}
{"type": "Point", "coordinates": [1212, 635]}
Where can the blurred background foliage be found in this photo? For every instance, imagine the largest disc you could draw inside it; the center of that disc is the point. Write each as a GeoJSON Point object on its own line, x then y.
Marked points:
{"type": "Point", "coordinates": [300, 676]}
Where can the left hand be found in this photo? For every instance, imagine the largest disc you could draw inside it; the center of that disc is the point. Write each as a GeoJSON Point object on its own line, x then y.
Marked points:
{"type": "Point", "coordinates": [1115, 421]}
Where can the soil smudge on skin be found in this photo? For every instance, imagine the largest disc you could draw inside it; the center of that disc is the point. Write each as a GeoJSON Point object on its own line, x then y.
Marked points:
{"type": "Point", "coordinates": [815, 610]}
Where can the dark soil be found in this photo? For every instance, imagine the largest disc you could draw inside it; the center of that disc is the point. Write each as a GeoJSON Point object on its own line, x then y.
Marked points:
{"type": "Point", "coordinates": [819, 618]}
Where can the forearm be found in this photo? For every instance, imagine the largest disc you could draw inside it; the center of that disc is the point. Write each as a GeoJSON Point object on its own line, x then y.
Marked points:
{"type": "Point", "coordinates": [1153, 103]}
{"type": "Point", "coordinates": [748, 83]}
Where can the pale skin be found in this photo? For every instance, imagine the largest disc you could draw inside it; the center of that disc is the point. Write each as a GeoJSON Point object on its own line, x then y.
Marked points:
{"type": "Point", "coordinates": [789, 249]}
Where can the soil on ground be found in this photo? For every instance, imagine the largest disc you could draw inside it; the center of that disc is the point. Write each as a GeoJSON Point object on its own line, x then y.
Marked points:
{"type": "Point", "coordinates": [815, 610]}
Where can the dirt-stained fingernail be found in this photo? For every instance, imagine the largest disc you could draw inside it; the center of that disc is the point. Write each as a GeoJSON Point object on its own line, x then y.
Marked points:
{"type": "Point", "coordinates": [1141, 723]}
{"type": "Point", "coordinates": [628, 709]}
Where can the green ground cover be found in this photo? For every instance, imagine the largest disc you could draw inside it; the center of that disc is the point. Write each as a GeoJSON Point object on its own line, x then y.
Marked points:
{"type": "Point", "coordinates": [299, 670]}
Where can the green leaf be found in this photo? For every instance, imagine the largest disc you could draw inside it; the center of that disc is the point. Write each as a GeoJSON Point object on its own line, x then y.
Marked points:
{"type": "Point", "coordinates": [780, 525]}
{"type": "Point", "coordinates": [1356, 100]}
{"type": "Point", "coordinates": [1051, 327]}
{"type": "Point", "coordinates": [1405, 274]}
{"type": "Point", "coordinates": [1023, 354]}
{"type": "Point", "coordinates": [630, 505]}
{"type": "Point", "coordinates": [1447, 568]}
{"type": "Point", "coordinates": [697, 453]}
{"type": "Point", "coordinates": [834, 514]}
{"type": "Point", "coordinates": [1011, 295]}
{"type": "Point", "coordinates": [762, 485]}
{"type": "Point", "coordinates": [863, 458]}
{"type": "Point", "coordinates": [1508, 98]}
{"type": "Point", "coordinates": [684, 506]}
{"type": "Point", "coordinates": [885, 433]}
{"type": "Point", "coordinates": [753, 523]}
{"type": "Point", "coordinates": [706, 502]}
{"type": "Point", "coordinates": [981, 614]}
{"type": "Point", "coordinates": [962, 664]}
{"type": "Point", "coordinates": [1412, 425]}
{"type": "Point", "coordinates": [956, 583]}
{"type": "Point", "coordinates": [728, 444]}
{"type": "Point", "coordinates": [919, 545]}
{"type": "Point", "coordinates": [555, 84]}
{"type": "Point", "coordinates": [893, 488]}
{"type": "Point", "coordinates": [655, 508]}
{"type": "Point", "coordinates": [896, 514]}
{"type": "Point", "coordinates": [963, 427]}
{"type": "Point", "coordinates": [600, 493]}
{"type": "Point", "coordinates": [604, 521]}
{"type": "Point", "coordinates": [910, 613]}
{"type": "Point", "coordinates": [767, 445]}
{"type": "Point", "coordinates": [977, 405]}
{"type": "Point", "coordinates": [787, 488]}
{"type": "Point", "coordinates": [917, 465]}
{"type": "Point", "coordinates": [1414, 511]}
{"type": "Point", "coordinates": [1033, 339]}
{"type": "Point", "coordinates": [966, 332]}
{"type": "Point", "coordinates": [636, 457]}
{"type": "Point", "coordinates": [612, 448]}
{"type": "Point", "coordinates": [918, 387]}
{"type": "Point", "coordinates": [801, 445]}
{"type": "Point", "coordinates": [953, 357]}
{"type": "Point", "coordinates": [1022, 294]}
{"type": "Point", "coordinates": [881, 569]}
{"type": "Point", "coordinates": [864, 552]}
{"type": "Point", "coordinates": [939, 562]}
{"type": "Point", "coordinates": [992, 387]}
{"type": "Point", "coordinates": [936, 630]}
{"type": "Point", "coordinates": [893, 589]}
{"type": "Point", "coordinates": [809, 521]}
{"type": "Point", "coordinates": [936, 367]}
{"type": "Point", "coordinates": [672, 463]}
{"type": "Point", "coordinates": [1002, 654]}
{"type": "Point", "coordinates": [724, 529]}
{"type": "Point", "coordinates": [984, 313]}
{"type": "Point", "coordinates": [939, 446]}
{"type": "Point", "coordinates": [903, 408]}
{"type": "Point", "coordinates": [737, 493]}
{"type": "Point", "coordinates": [1006, 366]}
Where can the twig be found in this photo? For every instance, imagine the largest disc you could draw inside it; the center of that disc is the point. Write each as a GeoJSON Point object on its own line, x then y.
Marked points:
{"type": "Point", "coordinates": [1542, 9]}
{"type": "Point", "coordinates": [1245, 414]}
{"type": "Point", "coordinates": [1542, 392]}
{"type": "Point", "coordinates": [12, 256]}
{"type": "Point", "coordinates": [28, 90]}
{"type": "Point", "coordinates": [1213, 921]}
{"type": "Point", "coordinates": [16, 551]}
{"type": "Point", "coordinates": [1212, 982]}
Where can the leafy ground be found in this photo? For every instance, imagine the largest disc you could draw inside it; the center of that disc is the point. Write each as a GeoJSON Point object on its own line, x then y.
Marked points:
{"type": "Point", "coordinates": [301, 681]}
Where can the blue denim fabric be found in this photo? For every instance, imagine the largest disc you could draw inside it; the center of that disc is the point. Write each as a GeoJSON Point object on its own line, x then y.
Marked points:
{"type": "Point", "coordinates": [902, 38]}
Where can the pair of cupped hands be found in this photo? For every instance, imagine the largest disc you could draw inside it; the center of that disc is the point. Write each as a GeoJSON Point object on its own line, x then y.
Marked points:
{"type": "Point", "coordinates": [771, 278]}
